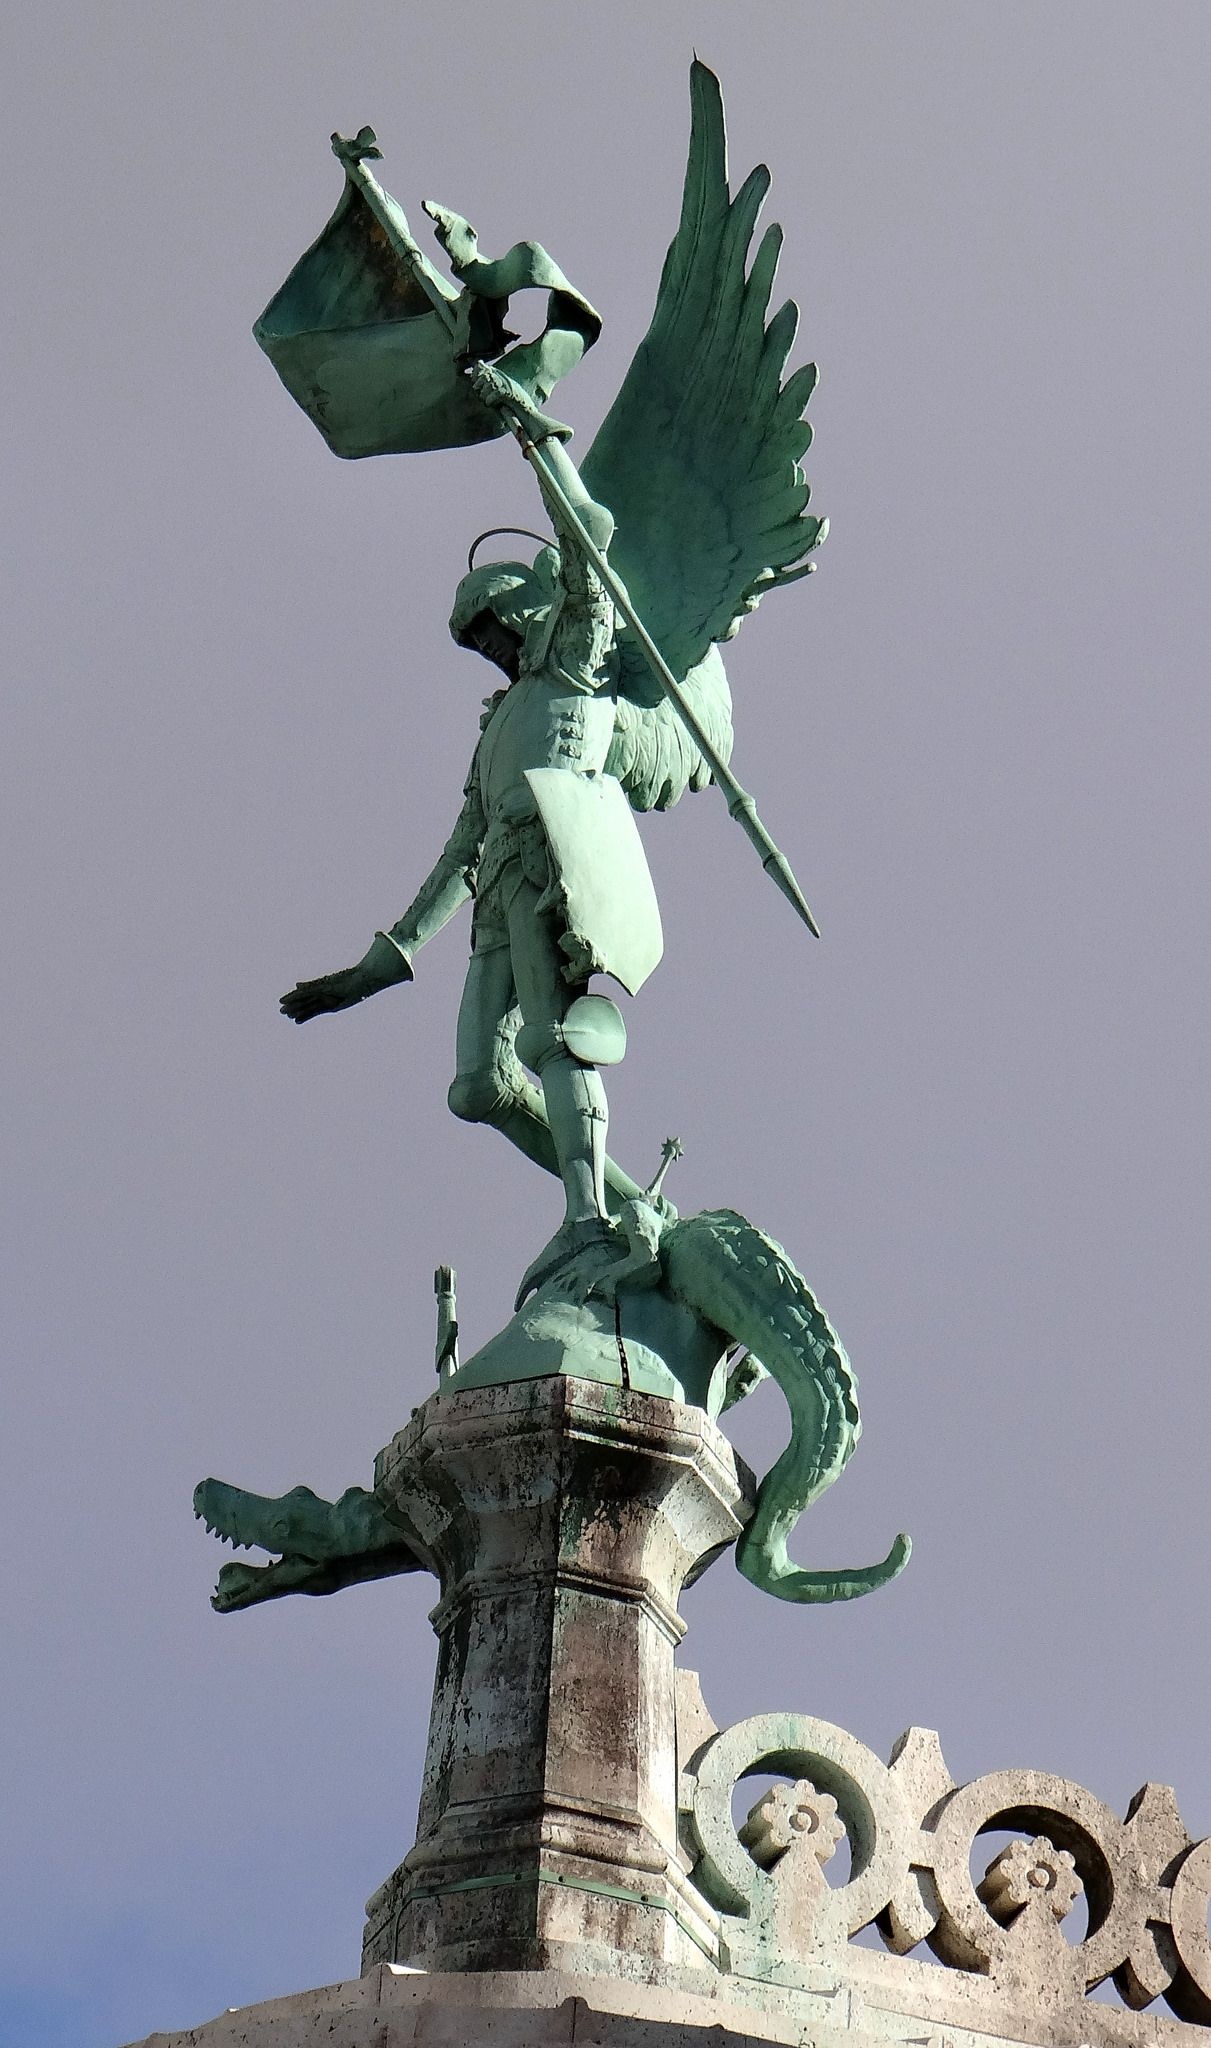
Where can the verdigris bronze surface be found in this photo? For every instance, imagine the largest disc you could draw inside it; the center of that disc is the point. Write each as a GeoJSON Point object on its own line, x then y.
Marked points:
{"type": "Point", "coordinates": [612, 698]}
{"type": "Point", "coordinates": [738, 1310]}
{"type": "Point", "coordinates": [615, 693]}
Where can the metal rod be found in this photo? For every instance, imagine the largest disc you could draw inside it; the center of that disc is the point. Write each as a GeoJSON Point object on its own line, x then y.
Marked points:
{"type": "Point", "coordinates": [740, 804]}
{"type": "Point", "coordinates": [390, 215]}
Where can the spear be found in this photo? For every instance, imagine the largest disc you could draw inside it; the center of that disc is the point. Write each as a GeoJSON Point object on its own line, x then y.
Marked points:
{"type": "Point", "coordinates": [538, 452]}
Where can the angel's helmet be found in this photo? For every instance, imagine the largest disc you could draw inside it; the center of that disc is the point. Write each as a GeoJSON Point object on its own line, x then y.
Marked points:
{"type": "Point", "coordinates": [497, 606]}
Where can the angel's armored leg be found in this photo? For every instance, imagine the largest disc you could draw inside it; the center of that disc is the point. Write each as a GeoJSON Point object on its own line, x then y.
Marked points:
{"type": "Point", "coordinates": [573, 1094]}
{"type": "Point", "coordinates": [575, 1102]}
{"type": "Point", "coordinates": [490, 1085]}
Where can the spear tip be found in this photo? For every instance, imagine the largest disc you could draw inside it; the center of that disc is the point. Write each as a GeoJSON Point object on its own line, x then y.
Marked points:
{"type": "Point", "coordinates": [777, 865]}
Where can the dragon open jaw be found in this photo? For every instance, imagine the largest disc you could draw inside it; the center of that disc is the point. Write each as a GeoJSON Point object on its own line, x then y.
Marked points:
{"type": "Point", "coordinates": [322, 1546]}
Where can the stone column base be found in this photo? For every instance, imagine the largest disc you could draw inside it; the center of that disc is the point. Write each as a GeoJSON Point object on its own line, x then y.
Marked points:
{"type": "Point", "coordinates": [564, 1517]}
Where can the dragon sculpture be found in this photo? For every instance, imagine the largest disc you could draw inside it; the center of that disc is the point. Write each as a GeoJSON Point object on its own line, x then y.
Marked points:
{"type": "Point", "coordinates": [745, 1292]}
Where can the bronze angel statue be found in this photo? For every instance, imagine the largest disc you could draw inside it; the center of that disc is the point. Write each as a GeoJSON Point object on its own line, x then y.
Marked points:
{"type": "Point", "coordinates": [612, 698]}
{"type": "Point", "coordinates": [689, 506]}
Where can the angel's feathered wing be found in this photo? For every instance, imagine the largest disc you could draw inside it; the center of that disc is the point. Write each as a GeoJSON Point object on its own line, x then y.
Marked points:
{"type": "Point", "coordinates": [698, 460]}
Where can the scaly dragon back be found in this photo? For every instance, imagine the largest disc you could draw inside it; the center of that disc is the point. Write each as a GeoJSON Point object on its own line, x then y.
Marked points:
{"type": "Point", "coordinates": [736, 1277]}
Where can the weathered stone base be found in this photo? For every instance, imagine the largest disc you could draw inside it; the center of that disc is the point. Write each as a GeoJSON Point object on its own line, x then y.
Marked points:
{"type": "Point", "coordinates": [882, 2001]}
{"type": "Point", "coordinates": [561, 1913]}
{"type": "Point", "coordinates": [390, 2006]}
{"type": "Point", "coordinates": [564, 1517]}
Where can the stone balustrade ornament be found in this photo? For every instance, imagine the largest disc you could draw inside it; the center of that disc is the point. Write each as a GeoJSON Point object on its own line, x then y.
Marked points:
{"type": "Point", "coordinates": [913, 1836]}
{"type": "Point", "coordinates": [788, 1815]}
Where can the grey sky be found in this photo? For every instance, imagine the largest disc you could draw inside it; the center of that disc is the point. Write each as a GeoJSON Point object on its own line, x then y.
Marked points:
{"type": "Point", "coordinates": [976, 1111]}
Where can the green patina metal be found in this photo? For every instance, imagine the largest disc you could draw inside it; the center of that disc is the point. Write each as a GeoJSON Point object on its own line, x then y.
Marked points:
{"type": "Point", "coordinates": [689, 507]}
{"type": "Point", "coordinates": [361, 332]}
{"type": "Point", "coordinates": [608, 640]}
{"type": "Point", "coordinates": [322, 1545]}
{"type": "Point", "coordinates": [714, 1286]}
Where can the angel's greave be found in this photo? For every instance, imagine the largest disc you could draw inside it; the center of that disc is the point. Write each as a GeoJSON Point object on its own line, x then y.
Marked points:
{"type": "Point", "coordinates": [575, 1101]}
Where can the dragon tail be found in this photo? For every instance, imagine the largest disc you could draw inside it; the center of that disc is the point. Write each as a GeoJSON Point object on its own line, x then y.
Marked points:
{"type": "Point", "coordinates": [741, 1280]}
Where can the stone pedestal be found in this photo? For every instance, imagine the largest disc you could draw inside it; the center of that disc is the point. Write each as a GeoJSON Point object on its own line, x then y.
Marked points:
{"type": "Point", "coordinates": [579, 1878]}
{"type": "Point", "coordinates": [562, 1517]}
{"type": "Point", "coordinates": [390, 2008]}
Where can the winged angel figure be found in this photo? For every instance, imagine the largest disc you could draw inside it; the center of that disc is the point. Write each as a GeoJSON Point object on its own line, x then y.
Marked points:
{"type": "Point", "coordinates": [689, 508]}
{"type": "Point", "coordinates": [693, 489]}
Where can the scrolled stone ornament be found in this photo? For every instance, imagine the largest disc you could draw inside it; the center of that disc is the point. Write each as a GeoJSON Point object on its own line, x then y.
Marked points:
{"type": "Point", "coordinates": [867, 1801]}
{"type": "Point", "coordinates": [912, 1832]}
{"type": "Point", "coordinates": [1109, 1856]}
{"type": "Point", "coordinates": [1190, 1992]}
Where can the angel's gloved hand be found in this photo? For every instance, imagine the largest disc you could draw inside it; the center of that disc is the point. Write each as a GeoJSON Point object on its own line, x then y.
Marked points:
{"type": "Point", "coordinates": [495, 388]}
{"type": "Point", "coordinates": [382, 967]}
{"type": "Point", "coordinates": [456, 235]}
{"type": "Point", "coordinates": [328, 992]}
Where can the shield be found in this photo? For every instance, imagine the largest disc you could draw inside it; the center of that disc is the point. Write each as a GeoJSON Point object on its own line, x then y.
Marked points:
{"type": "Point", "coordinates": [356, 340]}
{"type": "Point", "coordinates": [609, 904]}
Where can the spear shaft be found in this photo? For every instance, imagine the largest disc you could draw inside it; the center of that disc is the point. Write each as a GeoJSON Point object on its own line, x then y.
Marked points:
{"type": "Point", "coordinates": [741, 805]}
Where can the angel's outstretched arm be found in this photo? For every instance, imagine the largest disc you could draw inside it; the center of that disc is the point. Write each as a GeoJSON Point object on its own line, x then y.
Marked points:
{"type": "Point", "coordinates": [389, 960]}
{"type": "Point", "coordinates": [449, 884]}
{"type": "Point", "coordinates": [582, 621]}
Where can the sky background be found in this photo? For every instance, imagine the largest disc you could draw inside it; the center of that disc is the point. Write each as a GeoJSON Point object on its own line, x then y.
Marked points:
{"type": "Point", "coordinates": [976, 1112]}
